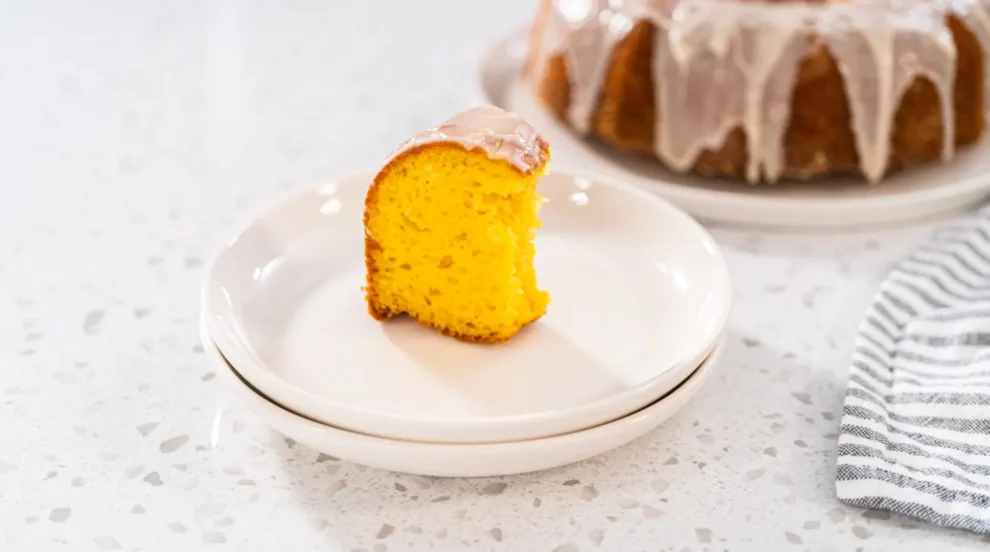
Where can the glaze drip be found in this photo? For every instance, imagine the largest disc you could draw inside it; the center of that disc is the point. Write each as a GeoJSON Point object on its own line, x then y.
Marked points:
{"type": "Point", "coordinates": [975, 14]}
{"type": "Point", "coordinates": [720, 65]}
{"type": "Point", "coordinates": [500, 134]}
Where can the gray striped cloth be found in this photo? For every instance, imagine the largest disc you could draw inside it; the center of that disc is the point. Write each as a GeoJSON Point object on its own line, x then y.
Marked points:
{"type": "Point", "coordinates": [915, 436]}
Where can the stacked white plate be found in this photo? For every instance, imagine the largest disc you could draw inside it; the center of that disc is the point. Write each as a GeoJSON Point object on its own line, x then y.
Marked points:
{"type": "Point", "coordinates": [640, 297]}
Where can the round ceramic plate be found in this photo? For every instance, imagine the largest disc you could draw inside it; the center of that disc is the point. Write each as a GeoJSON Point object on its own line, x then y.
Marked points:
{"type": "Point", "coordinates": [639, 294]}
{"type": "Point", "coordinates": [462, 460]}
{"type": "Point", "coordinates": [927, 191]}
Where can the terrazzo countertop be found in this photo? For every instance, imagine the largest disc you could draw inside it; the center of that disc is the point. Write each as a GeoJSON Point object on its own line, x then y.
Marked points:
{"type": "Point", "coordinates": [137, 137]}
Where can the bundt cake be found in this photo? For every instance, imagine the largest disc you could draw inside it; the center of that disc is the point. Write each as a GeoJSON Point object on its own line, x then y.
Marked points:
{"type": "Point", "coordinates": [449, 227]}
{"type": "Point", "coordinates": [768, 90]}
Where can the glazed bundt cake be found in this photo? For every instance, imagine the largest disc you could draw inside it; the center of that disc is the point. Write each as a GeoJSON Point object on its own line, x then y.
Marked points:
{"type": "Point", "coordinates": [449, 227]}
{"type": "Point", "coordinates": [765, 91]}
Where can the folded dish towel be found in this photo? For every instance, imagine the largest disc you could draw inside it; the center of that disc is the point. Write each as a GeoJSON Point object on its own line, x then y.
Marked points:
{"type": "Point", "coordinates": [915, 435]}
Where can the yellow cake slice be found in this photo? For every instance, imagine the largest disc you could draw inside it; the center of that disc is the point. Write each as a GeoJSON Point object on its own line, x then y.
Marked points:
{"type": "Point", "coordinates": [449, 227]}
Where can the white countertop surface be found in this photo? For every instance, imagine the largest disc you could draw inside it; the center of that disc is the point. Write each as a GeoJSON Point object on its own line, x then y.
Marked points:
{"type": "Point", "coordinates": [137, 137]}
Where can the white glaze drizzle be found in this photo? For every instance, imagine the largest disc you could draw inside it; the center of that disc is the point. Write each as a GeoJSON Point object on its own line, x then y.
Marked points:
{"type": "Point", "coordinates": [500, 134]}
{"type": "Point", "coordinates": [975, 14]}
{"type": "Point", "coordinates": [721, 65]}
{"type": "Point", "coordinates": [775, 111]}
{"type": "Point", "coordinates": [596, 32]}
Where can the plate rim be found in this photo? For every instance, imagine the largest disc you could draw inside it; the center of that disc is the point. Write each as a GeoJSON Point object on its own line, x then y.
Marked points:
{"type": "Point", "coordinates": [690, 385]}
{"type": "Point", "coordinates": [837, 208]}
{"type": "Point", "coordinates": [287, 393]}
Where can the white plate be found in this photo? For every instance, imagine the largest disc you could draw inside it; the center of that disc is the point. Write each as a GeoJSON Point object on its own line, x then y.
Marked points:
{"type": "Point", "coordinates": [639, 294]}
{"type": "Point", "coordinates": [462, 460]}
{"type": "Point", "coordinates": [927, 191]}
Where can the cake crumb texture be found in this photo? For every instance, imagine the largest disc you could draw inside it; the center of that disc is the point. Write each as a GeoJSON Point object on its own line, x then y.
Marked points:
{"type": "Point", "coordinates": [449, 241]}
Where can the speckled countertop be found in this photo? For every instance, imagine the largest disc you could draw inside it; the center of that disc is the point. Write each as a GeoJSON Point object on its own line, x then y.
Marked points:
{"type": "Point", "coordinates": [137, 137]}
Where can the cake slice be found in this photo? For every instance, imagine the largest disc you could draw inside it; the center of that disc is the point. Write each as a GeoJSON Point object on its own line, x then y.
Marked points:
{"type": "Point", "coordinates": [449, 227]}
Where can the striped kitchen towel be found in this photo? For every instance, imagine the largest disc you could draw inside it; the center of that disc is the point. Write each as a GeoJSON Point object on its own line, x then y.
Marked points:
{"type": "Point", "coordinates": [915, 436]}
